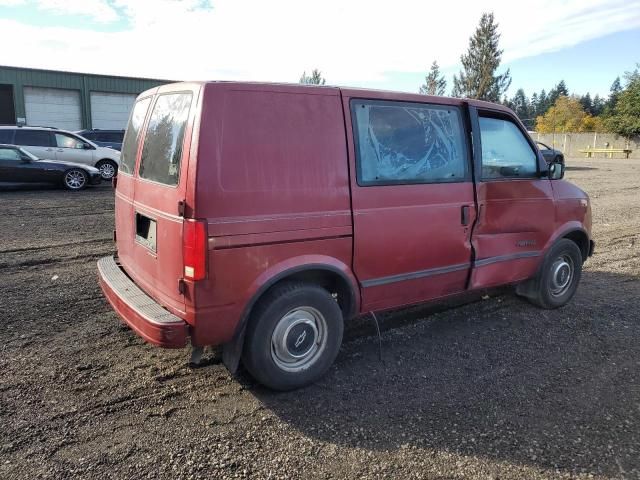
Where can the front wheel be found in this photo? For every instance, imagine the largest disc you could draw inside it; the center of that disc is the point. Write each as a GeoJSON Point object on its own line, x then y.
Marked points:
{"type": "Point", "coordinates": [558, 279]}
{"type": "Point", "coordinates": [293, 336]}
{"type": "Point", "coordinates": [108, 169]}
{"type": "Point", "coordinates": [75, 179]}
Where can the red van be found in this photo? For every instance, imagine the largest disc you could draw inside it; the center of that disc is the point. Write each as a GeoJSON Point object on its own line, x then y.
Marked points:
{"type": "Point", "coordinates": [261, 217]}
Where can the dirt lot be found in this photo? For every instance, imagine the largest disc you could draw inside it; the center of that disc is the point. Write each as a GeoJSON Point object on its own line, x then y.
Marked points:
{"type": "Point", "coordinates": [494, 388]}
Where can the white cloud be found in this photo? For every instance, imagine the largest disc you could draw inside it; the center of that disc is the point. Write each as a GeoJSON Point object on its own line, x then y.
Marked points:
{"type": "Point", "coordinates": [351, 42]}
{"type": "Point", "coordinates": [98, 10]}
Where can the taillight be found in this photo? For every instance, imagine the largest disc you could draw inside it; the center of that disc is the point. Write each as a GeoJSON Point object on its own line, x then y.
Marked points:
{"type": "Point", "coordinates": [195, 249]}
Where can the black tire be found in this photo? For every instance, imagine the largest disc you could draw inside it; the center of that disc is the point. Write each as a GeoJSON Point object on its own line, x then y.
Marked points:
{"type": "Point", "coordinates": [548, 289]}
{"type": "Point", "coordinates": [75, 179]}
{"type": "Point", "coordinates": [272, 315]}
{"type": "Point", "coordinates": [108, 169]}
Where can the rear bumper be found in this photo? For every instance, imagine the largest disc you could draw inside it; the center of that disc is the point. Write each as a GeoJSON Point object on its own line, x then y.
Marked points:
{"type": "Point", "coordinates": [138, 310]}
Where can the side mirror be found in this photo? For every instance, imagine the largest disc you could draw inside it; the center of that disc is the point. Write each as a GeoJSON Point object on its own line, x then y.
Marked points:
{"type": "Point", "coordinates": [556, 171]}
{"type": "Point", "coordinates": [86, 146]}
{"type": "Point", "coordinates": [25, 159]}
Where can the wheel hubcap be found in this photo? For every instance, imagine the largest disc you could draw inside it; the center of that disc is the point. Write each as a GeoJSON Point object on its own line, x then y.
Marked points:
{"type": "Point", "coordinates": [561, 275]}
{"type": "Point", "coordinates": [74, 179]}
{"type": "Point", "coordinates": [107, 171]}
{"type": "Point", "coordinates": [298, 339]}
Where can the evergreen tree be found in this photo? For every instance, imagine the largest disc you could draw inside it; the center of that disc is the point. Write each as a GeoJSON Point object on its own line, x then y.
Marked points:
{"type": "Point", "coordinates": [598, 105]}
{"type": "Point", "coordinates": [519, 103]}
{"type": "Point", "coordinates": [543, 103]}
{"type": "Point", "coordinates": [534, 105]}
{"type": "Point", "coordinates": [315, 78]}
{"type": "Point", "coordinates": [435, 84]}
{"type": "Point", "coordinates": [625, 117]}
{"type": "Point", "coordinates": [560, 90]}
{"type": "Point", "coordinates": [587, 103]}
{"type": "Point", "coordinates": [614, 92]}
{"type": "Point", "coordinates": [478, 78]}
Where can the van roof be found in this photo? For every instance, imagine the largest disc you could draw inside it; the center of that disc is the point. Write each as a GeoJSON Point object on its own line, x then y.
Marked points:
{"type": "Point", "coordinates": [348, 91]}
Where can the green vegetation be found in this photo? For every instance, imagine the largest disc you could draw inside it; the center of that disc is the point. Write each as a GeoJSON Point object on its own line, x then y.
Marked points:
{"type": "Point", "coordinates": [315, 78]}
{"type": "Point", "coordinates": [435, 84]}
{"type": "Point", "coordinates": [478, 77]}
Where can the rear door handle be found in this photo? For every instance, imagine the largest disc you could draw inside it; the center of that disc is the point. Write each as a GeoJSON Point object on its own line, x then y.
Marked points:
{"type": "Point", "coordinates": [60, 150]}
{"type": "Point", "coordinates": [464, 215]}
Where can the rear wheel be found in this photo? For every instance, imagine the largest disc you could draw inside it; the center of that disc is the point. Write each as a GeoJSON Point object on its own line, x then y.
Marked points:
{"type": "Point", "coordinates": [108, 169]}
{"type": "Point", "coordinates": [558, 279]}
{"type": "Point", "coordinates": [293, 336]}
{"type": "Point", "coordinates": [75, 179]}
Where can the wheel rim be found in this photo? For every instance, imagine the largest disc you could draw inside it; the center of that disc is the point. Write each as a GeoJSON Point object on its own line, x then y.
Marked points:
{"type": "Point", "coordinates": [107, 170]}
{"type": "Point", "coordinates": [299, 339]}
{"type": "Point", "coordinates": [562, 271]}
{"type": "Point", "coordinates": [74, 179]}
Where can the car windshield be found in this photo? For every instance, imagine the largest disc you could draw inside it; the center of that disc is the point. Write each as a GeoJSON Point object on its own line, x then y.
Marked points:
{"type": "Point", "coordinates": [28, 154]}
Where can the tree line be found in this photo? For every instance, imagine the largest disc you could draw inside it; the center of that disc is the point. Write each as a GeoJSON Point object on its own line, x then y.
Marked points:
{"type": "Point", "coordinates": [556, 110]}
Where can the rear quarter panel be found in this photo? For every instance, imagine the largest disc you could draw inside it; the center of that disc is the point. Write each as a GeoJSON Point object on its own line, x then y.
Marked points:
{"type": "Point", "coordinates": [272, 182]}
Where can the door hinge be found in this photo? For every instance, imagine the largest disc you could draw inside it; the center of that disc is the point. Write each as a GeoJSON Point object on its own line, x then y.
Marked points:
{"type": "Point", "coordinates": [182, 205]}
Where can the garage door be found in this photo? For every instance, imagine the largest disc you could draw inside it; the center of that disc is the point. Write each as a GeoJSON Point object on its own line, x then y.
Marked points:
{"type": "Point", "coordinates": [53, 107]}
{"type": "Point", "coordinates": [110, 110]}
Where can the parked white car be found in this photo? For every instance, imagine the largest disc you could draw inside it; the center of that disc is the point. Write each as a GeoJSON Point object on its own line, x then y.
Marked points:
{"type": "Point", "coordinates": [55, 144]}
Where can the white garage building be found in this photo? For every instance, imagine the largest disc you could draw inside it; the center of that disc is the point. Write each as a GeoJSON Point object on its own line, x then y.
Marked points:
{"type": "Point", "coordinates": [71, 101]}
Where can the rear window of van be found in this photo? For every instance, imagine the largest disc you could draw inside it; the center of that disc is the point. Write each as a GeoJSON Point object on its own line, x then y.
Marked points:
{"type": "Point", "coordinates": [162, 149]}
{"type": "Point", "coordinates": [130, 143]}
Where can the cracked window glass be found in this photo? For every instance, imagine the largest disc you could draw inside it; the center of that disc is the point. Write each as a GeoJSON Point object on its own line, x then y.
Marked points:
{"type": "Point", "coordinates": [400, 143]}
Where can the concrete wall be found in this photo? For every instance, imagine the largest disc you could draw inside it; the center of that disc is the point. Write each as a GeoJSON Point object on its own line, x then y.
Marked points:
{"type": "Point", "coordinates": [571, 143]}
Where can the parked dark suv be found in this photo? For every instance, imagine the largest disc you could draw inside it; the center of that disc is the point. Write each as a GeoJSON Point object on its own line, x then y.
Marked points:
{"type": "Point", "coordinates": [104, 138]}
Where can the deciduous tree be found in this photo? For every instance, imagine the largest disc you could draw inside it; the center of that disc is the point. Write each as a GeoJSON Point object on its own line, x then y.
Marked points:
{"type": "Point", "coordinates": [566, 115]}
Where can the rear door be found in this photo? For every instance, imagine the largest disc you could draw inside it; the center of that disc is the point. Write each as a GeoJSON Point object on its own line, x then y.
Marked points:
{"type": "Point", "coordinates": [160, 190]}
{"type": "Point", "coordinates": [516, 207]}
{"type": "Point", "coordinates": [38, 142]}
{"type": "Point", "coordinates": [412, 199]}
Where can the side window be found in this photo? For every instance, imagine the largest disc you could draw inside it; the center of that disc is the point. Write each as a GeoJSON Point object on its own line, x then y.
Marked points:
{"type": "Point", "coordinates": [6, 136]}
{"type": "Point", "coordinates": [67, 141]}
{"type": "Point", "coordinates": [506, 153]}
{"type": "Point", "coordinates": [9, 154]}
{"type": "Point", "coordinates": [130, 143]}
{"type": "Point", "coordinates": [162, 149]}
{"type": "Point", "coordinates": [401, 143]}
{"type": "Point", "coordinates": [115, 137]}
{"type": "Point", "coordinates": [33, 138]}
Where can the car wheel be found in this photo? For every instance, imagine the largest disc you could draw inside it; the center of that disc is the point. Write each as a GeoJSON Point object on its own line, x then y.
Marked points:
{"type": "Point", "coordinates": [559, 276]}
{"type": "Point", "coordinates": [75, 179]}
{"type": "Point", "coordinates": [293, 336]}
{"type": "Point", "coordinates": [108, 169]}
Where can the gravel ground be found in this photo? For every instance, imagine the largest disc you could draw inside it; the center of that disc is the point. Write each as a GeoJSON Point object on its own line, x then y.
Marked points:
{"type": "Point", "coordinates": [476, 388]}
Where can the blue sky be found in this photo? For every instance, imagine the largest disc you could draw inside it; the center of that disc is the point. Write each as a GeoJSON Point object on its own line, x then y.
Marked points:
{"type": "Point", "coordinates": [365, 43]}
{"type": "Point", "coordinates": [589, 66]}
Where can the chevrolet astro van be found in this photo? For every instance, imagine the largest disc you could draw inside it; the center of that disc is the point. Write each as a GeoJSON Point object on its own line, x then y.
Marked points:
{"type": "Point", "coordinates": [262, 217]}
